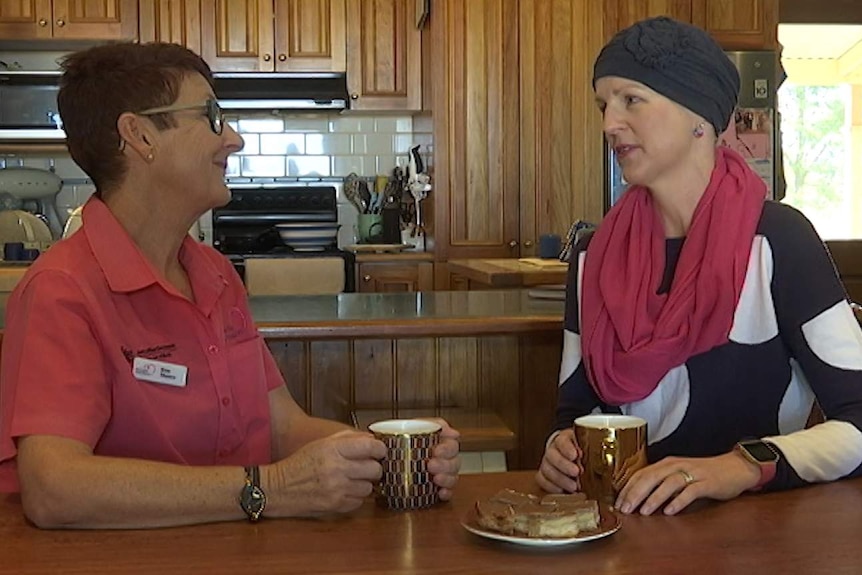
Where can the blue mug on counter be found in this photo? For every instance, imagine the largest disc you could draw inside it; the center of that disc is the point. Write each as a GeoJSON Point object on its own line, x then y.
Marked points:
{"type": "Point", "coordinates": [14, 252]}
{"type": "Point", "coordinates": [550, 246]}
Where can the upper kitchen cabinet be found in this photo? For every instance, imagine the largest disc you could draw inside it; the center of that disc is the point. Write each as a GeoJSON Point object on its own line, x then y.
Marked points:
{"type": "Point", "coordinates": [736, 24]}
{"type": "Point", "coordinates": [279, 35]}
{"type": "Point", "coordinates": [384, 55]}
{"type": "Point", "coordinates": [68, 19]}
{"type": "Point", "coordinates": [472, 76]}
{"type": "Point", "coordinates": [177, 21]}
{"type": "Point", "coordinates": [739, 24]}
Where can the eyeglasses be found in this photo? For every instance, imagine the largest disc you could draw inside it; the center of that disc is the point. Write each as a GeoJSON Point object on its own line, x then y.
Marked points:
{"type": "Point", "coordinates": [213, 111]}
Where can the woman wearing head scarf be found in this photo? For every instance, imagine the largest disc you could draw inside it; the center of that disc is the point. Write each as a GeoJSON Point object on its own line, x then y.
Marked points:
{"type": "Point", "coordinates": [698, 305]}
{"type": "Point", "coordinates": [135, 389]}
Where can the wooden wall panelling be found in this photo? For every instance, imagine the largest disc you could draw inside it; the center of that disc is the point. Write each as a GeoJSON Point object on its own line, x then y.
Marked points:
{"type": "Point", "coordinates": [416, 369]}
{"type": "Point", "coordinates": [540, 369]}
{"type": "Point", "coordinates": [499, 361]}
{"type": "Point", "coordinates": [561, 153]}
{"type": "Point", "coordinates": [475, 47]}
{"type": "Point", "coordinates": [177, 21]}
{"type": "Point", "coordinates": [292, 360]}
{"type": "Point", "coordinates": [374, 376]}
{"type": "Point", "coordinates": [458, 372]}
{"type": "Point", "coordinates": [623, 13]}
{"type": "Point", "coordinates": [330, 367]}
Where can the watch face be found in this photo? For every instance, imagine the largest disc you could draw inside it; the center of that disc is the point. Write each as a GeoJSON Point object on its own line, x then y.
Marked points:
{"type": "Point", "coordinates": [760, 451]}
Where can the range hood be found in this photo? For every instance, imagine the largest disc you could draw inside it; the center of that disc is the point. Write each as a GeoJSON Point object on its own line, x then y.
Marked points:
{"type": "Point", "coordinates": [281, 91]}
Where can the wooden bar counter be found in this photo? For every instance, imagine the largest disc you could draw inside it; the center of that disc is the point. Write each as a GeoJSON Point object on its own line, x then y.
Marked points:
{"type": "Point", "coordinates": [492, 351]}
{"type": "Point", "coordinates": [507, 272]}
{"type": "Point", "coordinates": [809, 531]}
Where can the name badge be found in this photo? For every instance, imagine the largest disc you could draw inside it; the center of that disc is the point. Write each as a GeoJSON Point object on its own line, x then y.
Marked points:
{"type": "Point", "coordinates": [160, 372]}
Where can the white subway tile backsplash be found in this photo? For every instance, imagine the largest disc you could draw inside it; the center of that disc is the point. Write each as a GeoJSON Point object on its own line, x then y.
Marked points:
{"type": "Point", "coordinates": [308, 166]}
{"type": "Point", "coordinates": [67, 169]}
{"type": "Point", "coordinates": [282, 144]}
{"type": "Point", "coordinates": [345, 165]}
{"type": "Point", "coordinates": [276, 146]}
{"type": "Point", "coordinates": [329, 144]}
{"type": "Point", "coordinates": [403, 143]}
{"type": "Point", "coordinates": [232, 170]}
{"type": "Point", "coordinates": [305, 124]}
{"type": "Point", "coordinates": [262, 167]}
{"type": "Point", "coordinates": [351, 124]}
{"type": "Point", "coordinates": [269, 125]}
{"type": "Point", "coordinates": [251, 145]}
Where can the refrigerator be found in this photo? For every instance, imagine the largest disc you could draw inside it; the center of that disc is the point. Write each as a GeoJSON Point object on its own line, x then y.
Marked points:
{"type": "Point", "coordinates": [753, 131]}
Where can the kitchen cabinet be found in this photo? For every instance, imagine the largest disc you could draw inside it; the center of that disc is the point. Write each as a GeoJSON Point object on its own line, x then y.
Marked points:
{"type": "Point", "coordinates": [390, 273]}
{"type": "Point", "coordinates": [68, 19]}
{"type": "Point", "coordinates": [177, 21]}
{"type": "Point", "coordinates": [472, 81]}
{"type": "Point", "coordinates": [273, 35]}
{"type": "Point", "coordinates": [384, 55]}
{"type": "Point", "coordinates": [739, 24]}
{"type": "Point", "coordinates": [735, 24]}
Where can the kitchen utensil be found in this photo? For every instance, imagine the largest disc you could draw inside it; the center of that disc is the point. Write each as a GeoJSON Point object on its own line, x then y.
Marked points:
{"type": "Point", "coordinates": [365, 194]}
{"type": "Point", "coordinates": [308, 236]}
{"type": "Point", "coordinates": [351, 192]}
{"type": "Point", "coordinates": [39, 186]}
{"type": "Point", "coordinates": [24, 227]}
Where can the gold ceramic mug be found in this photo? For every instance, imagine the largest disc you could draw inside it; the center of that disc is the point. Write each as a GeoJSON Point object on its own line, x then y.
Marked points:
{"type": "Point", "coordinates": [614, 447]}
{"type": "Point", "coordinates": [406, 482]}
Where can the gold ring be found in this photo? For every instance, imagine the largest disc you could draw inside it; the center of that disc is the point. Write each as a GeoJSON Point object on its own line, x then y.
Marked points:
{"type": "Point", "coordinates": [689, 478]}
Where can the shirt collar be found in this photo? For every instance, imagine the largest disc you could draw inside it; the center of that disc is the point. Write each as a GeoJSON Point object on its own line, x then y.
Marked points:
{"type": "Point", "coordinates": [126, 268]}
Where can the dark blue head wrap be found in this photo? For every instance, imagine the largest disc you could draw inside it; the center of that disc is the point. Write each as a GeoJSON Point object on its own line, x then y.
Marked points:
{"type": "Point", "coordinates": [679, 61]}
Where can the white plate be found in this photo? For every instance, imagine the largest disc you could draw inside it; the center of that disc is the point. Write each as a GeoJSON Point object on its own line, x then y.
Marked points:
{"type": "Point", "coordinates": [609, 524]}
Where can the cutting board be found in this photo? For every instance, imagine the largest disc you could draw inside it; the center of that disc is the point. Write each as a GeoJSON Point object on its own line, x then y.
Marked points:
{"type": "Point", "coordinates": [552, 264]}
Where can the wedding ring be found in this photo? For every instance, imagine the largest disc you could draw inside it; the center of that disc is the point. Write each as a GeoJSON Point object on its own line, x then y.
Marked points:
{"type": "Point", "coordinates": [689, 478]}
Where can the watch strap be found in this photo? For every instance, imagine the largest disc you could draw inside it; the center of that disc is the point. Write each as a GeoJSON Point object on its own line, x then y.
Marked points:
{"type": "Point", "coordinates": [768, 469]}
{"type": "Point", "coordinates": [252, 499]}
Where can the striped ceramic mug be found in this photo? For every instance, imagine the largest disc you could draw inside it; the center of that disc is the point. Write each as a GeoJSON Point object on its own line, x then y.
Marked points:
{"type": "Point", "coordinates": [406, 482]}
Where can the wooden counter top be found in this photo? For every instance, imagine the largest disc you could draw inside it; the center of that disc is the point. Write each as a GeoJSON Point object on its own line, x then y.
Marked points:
{"type": "Point", "coordinates": [509, 272]}
{"type": "Point", "coordinates": [810, 531]}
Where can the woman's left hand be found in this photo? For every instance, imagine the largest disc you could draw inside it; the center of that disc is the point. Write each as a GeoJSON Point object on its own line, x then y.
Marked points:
{"type": "Point", "coordinates": [677, 481]}
{"type": "Point", "coordinates": [445, 463]}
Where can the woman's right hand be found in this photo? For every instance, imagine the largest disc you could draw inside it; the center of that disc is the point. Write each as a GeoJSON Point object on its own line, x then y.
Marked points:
{"type": "Point", "coordinates": [331, 475]}
{"type": "Point", "coordinates": [560, 466]}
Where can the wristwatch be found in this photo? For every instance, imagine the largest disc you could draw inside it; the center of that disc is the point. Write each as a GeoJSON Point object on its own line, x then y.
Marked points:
{"type": "Point", "coordinates": [761, 454]}
{"type": "Point", "coordinates": [252, 499]}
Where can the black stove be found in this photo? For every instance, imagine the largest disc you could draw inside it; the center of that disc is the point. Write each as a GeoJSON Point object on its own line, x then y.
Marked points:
{"type": "Point", "coordinates": [245, 227]}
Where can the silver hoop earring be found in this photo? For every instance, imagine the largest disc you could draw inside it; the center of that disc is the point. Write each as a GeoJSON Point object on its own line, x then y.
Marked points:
{"type": "Point", "coordinates": [699, 130]}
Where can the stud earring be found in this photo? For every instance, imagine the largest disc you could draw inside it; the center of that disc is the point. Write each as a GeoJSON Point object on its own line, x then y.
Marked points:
{"type": "Point", "coordinates": [150, 157]}
{"type": "Point", "coordinates": [699, 131]}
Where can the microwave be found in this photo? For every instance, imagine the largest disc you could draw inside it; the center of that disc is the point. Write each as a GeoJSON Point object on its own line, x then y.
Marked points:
{"type": "Point", "coordinates": [28, 106]}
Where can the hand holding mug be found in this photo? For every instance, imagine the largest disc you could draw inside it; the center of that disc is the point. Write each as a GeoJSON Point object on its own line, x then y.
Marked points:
{"type": "Point", "coordinates": [560, 467]}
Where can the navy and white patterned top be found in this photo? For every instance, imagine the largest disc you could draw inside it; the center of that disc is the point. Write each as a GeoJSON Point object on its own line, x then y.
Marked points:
{"type": "Point", "coordinates": [794, 338]}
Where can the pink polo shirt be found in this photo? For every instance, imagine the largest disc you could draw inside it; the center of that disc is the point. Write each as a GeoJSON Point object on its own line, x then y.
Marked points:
{"type": "Point", "coordinates": [92, 304]}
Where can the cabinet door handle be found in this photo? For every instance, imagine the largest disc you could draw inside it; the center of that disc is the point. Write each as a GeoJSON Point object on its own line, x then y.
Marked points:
{"type": "Point", "coordinates": [267, 57]}
{"type": "Point", "coordinates": [354, 96]}
{"type": "Point", "coordinates": [528, 244]}
{"type": "Point", "coordinates": [513, 244]}
{"type": "Point", "coordinates": [282, 57]}
{"type": "Point", "coordinates": [43, 22]}
{"type": "Point", "coordinates": [61, 22]}
{"type": "Point", "coordinates": [366, 278]}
